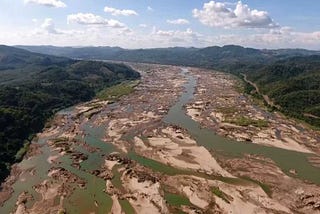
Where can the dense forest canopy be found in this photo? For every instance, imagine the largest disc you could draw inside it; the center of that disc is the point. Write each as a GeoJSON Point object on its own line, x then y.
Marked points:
{"type": "Point", "coordinates": [294, 84]}
{"type": "Point", "coordinates": [34, 86]}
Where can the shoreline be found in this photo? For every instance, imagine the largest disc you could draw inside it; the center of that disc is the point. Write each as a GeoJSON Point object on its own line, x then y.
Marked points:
{"type": "Point", "coordinates": [235, 116]}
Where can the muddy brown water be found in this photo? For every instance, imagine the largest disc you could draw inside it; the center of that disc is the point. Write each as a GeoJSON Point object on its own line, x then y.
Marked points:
{"type": "Point", "coordinates": [83, 200]}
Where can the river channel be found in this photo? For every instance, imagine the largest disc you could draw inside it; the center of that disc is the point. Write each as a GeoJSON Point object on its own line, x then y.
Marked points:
{"type": "Point", "coordinates": [84, 200]}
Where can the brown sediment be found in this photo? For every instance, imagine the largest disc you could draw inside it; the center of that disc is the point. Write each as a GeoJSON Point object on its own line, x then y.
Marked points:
{"type": "Point", "coordinates": [174, 147]}
{"type": "Point", "coordinates": [144, 192]}
{"type": "Point", "coordinates": [33, 150]}
{"type": "Point", "coordinates": [6, 186]}
{"type": "Point", "coordinates": [220, 111]}
{"type": "Point", "coordinates": [315, 161]}
{"type": "Point", "coordinates": [295, 194]}
{"type": "Point", "coordinates": [51, 190]}
{"type": "Point", "coordinates": [6, 189]}
{"type": "Point", "coordinates": [23, 198]}
{"type": "Point", "coordinates": [66, 177]}
{"type": "Point", "coordinates": [219, 105]}
{"type": "Point", "coordinates": [231, 198]}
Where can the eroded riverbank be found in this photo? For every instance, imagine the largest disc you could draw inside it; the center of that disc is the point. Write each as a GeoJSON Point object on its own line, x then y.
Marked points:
{"type": "Point", "coordinates": [144, 155]}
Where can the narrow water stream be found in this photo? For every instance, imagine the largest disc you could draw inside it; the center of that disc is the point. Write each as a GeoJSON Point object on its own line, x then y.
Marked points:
{"type": "Point", "coordinates": [91, 199]}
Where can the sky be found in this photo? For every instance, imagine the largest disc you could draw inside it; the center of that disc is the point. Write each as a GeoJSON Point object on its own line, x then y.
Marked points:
{"type": "Point", "coordinates": [271, 24]}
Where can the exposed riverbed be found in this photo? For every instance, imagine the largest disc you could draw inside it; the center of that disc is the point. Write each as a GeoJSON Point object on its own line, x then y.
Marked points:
{"type": "Point", "coordinates": [157, 167]}
{"type": "Point", "coordinates": [285, 159]}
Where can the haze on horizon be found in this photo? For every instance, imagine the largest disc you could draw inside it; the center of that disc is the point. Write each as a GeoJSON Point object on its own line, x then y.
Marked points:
{"type": "Point", "coordinates": [269, 24]}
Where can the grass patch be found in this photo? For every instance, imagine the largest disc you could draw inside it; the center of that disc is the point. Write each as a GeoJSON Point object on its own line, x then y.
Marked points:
{"type": "Point", "coordinates": [90, 114]}
{"type": "Point", "coordinates": [22, 151]}
{"type": "Point", "coordinates": [176, 200]}
{"type": "Point", "coordinates": [263, 186]}
{"type": "Point", "coordinates": [228, 110]}
{"type": "Point", "coordinates": [220, 194]}
{"type": "Point", "coordinates": [113, 93]}
{"type": "Point", "coordinates": [155, 165]}
{"type": "Point", "coordinates": [245, 121]}
{"type": "Point", "coordinates": [228, 180]}
{"type": "Point", "coordinates": [60, 140]}
{"type": "Point", "coordinates": [169, 170]}
{"type": "Point", "coordinates": [240, 86]}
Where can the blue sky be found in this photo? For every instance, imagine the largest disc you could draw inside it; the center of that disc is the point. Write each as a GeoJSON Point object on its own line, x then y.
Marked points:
{"type": "Point", "coordinates": [162, 23]}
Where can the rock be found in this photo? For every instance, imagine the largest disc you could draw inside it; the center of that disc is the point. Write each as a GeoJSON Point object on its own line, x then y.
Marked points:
{"type": "Point", "coordinates": [293, 171]}
{"type": "Point", "coordinates": [119, 159]}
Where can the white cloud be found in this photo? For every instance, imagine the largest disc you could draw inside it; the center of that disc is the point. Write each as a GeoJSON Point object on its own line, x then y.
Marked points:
{"type": "Point", "coordinates": [176, 38]}
{"type": "Point", "coordinates": [143, 25]}
{"type": "Point", "coordinates": [187, 32]}
{"type": "Point", "coordinates": [97, 36]}
{"type": "Point", "coordinates": [49, 27]}
{"type": "Point", "coordinates": [149, 9]}
{"type": "Point", "coordinates": [117, 12]}
{"type": "Point", "coordinates": [281, 38]}
{"type": "Point", "coordinates": [218, 14]}
{"type": "Point", "coordinates": [178, 21]}
{"type": "Point", "coordinates": [47, 3]}
{"type": "Point", "coordinates": [165, 33]}
{"type": "Point", "coordinates": [91, 19]}
{"type": "Point", "coordinates": [281, 30]}
{"type": "Point", "coordinates": [290, 38]}
{"type": "Point", "coordinates": [97, 31]}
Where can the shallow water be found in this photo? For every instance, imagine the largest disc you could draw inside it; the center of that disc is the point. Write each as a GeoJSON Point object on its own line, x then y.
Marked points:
{"type": "Point", "coordinates": [84, 201]}
{"type": "Point", "coordinates": [27, 180]}
{"type": "Point", "coordinates": [285, 159]}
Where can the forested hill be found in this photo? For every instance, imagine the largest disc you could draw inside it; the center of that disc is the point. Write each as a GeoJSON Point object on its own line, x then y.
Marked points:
{"type": "Point", "coordinates": [34, 86]}
{"type": "Point", "coordinates": [229, 57]}
{"type": "Point", "coordinates": [289, 76]}
{"type": "Point", "coordinates": [219, 57]}
{"type": "Point", "coordinates": [293, 84]}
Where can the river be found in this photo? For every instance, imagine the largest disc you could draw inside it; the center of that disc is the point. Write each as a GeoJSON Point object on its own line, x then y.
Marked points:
{"type": "Point", "coordinates": [84, 200]}
{"type": "Point", "coordinates": [285, 159]}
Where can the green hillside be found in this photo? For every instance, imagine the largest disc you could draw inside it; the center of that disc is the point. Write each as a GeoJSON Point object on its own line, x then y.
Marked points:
{"type": "Point", "coordinates": [294, 84]}
{"type": "Point", "coordinates": [34, 86]}
{"type": "Point", "coordinates": [289, 76]}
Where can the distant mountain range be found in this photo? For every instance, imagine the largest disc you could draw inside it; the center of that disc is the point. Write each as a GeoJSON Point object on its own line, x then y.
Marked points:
{"type": "Point", "coordinates": [227, 57]}
{"type": "Point", "coordinates": [290, 77]}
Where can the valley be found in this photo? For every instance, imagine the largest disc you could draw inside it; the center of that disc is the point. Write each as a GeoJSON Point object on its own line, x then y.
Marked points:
{"type": "Point", "coordinates": [159, 107]}
{"type": "Point", "coordinates": [185, 140]}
